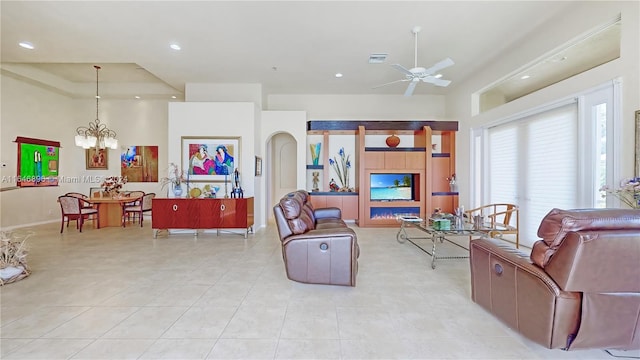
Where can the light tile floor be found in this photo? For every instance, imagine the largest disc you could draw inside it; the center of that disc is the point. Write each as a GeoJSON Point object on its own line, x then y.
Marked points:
{"type": "Point", "coordinates": [119, 293]}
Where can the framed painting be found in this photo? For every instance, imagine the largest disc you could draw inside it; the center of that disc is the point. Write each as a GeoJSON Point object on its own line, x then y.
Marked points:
{"type": "Point", "coordinates": [210, 158]}
{"type": "Point", "coordinates": [97, 159]}
{"type": "Point", "coordinates": [139, 163]}
{"type": "Point", "coordinates": [637, 157]}
{"type": "Point", "coordinates": [258, 166]}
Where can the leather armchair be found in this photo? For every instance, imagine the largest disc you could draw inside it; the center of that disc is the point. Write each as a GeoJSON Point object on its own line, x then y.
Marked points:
{"type": "Point", "coordinates": [580, 286]}
{"type": "Point", "coordinates": [317, 245]}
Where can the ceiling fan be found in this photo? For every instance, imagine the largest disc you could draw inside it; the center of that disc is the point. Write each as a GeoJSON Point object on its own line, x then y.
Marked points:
{"type": "Point", "coordinates": [416, 74]}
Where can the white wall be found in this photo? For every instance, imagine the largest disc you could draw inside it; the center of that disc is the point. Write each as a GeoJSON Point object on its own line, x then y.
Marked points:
{"type": "Point", "coordinates": [223, 92]}
{"type": "Point", "coordinates": [362, 107]}
{"type": "Point", "coordinates": [277, 122]}
{"type": "Point", "coordinates": [32, 111]}
{"type": "Point", "coordinates": [583, 17]}
{"type": "Point", "coordinates": [213, 119]}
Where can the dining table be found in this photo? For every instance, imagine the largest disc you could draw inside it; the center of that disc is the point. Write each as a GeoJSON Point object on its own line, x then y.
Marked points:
{"type": "Point", "coordinates": [111, 209]}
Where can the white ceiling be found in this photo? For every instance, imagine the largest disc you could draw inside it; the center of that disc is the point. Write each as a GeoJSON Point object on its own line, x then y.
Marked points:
{"type": "Point", "coordinates": [290, 47]}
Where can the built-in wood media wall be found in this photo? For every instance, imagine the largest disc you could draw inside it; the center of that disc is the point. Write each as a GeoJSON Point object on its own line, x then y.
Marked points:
{"type": "Point", "coordinates": [428, 168]}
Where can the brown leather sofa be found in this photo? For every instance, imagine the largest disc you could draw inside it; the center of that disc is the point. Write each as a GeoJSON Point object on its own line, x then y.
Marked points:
{"type": "Point", "coordinates": [580, 286]}
{"type": "Point", "coordinates": [317, 245]}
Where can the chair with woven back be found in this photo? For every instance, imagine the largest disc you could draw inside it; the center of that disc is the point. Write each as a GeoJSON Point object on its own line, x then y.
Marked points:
{"type": "Point", "coordinates": [138, 208]}
{"type": "Point", "coordinates": [498, 220]}
{"type": "Point", "coordinates": [76, 208]}
{"type": "Point", "coordinates": [84, 197]}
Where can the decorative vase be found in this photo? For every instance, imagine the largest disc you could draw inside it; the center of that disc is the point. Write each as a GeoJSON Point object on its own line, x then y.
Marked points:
{"type": "Point", "coordinates": [177, 190]}
{"type": "Point", "coordinates": [315, 153]}
{"type": "Point", "coordinates": [393, 141]}
{"type": "Point", "coordinates": [453, 187]}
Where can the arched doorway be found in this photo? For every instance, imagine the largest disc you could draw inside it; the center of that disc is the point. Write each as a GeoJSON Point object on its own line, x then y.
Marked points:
{"type": "Point", "coordinates": [281, 169]}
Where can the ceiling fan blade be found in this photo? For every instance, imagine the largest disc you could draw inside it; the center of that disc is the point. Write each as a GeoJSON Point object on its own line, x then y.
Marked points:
{"type": "Point", "coordinates": [437, 82]}
{"type": "Point", "coordinates": [412, 85]}
{"type": "Point", "coordinates": [402, 69]}
{"type": "Point", "coordinates": [389, 83]}
{"type": "Point", "coordinates": [439, 66]}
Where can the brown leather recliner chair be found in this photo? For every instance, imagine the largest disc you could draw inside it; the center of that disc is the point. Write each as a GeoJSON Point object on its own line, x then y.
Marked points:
{"type": "Point", "coordinates": [579, 288]}
{"type": "Point", "coordinates": [317, 245]}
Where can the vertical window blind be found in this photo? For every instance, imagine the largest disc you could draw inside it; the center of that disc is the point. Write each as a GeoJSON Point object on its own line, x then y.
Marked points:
{"type": "Point", "coordinates": [533, 162]}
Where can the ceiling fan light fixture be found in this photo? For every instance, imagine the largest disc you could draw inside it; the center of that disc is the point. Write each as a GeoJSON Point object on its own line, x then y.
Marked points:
{"type": "Point", "coordinates": [417, 73]}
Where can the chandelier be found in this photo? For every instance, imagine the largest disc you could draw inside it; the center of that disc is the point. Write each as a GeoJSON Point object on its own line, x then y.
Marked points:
{"type": "Point", "coordinates": [96, 135]}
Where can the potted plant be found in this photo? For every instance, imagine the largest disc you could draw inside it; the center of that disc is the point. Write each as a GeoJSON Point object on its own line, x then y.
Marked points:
{"type": "Point", "coordinates": [175, 179]}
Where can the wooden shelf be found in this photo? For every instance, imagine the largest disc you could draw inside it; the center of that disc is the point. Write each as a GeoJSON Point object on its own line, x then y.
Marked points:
{"type": "Point", "coordinates": [381, 125]}
{"type": "Point", "coordinates": [401, 149]}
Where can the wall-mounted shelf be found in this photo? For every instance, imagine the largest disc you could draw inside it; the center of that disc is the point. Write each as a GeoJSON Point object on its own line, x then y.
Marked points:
{"type": "Point", "coordinates": [405, 149]}
{"type": "Point", "coordinates": [334, 193]}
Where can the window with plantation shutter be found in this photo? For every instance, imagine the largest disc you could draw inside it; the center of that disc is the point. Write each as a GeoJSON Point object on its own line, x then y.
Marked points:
{"type": "Point", "coordinates": [533, 162]}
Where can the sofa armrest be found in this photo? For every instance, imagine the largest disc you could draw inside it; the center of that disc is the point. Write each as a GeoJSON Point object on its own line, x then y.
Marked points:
{"type": "Point", "coordinates": [516, 257]}
{"type": "Point", "coordinates": [330, 212]}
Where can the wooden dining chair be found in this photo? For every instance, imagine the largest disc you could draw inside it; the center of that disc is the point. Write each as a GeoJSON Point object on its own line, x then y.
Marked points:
{"type": "Point", "coordinates": [85, 204]}
{"type": "Point", "coordinates": [136, 197]}
{"type": "Point", "coordinates": [139, 209]}
{"type": "Point", "coordinates": [75, 208]}
{"type": "Point", "coordinates": [499, 220]}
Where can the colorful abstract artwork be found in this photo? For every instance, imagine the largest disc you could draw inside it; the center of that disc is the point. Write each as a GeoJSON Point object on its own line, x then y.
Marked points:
{"type": "Point", "coordinates": [210, 159]}
{"type": "Point", "coordinates": [139, 163]}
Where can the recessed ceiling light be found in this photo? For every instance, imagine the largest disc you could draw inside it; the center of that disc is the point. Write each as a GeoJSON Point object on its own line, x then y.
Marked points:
{"type": "Point", "coordinates": [175, 46]}
{"type": "Point", "coordinates": [173, 97]}
{"type": "Point", "coordinates": [338, 75]}
{"type": "Point", "coordinates": [137, 97]}
{"type": "Point", "coordinates": [524, 77]}
{"type": "Point", "coordinates": [26, 45]}
{"type": "Point", "coordinates": [438, 76]}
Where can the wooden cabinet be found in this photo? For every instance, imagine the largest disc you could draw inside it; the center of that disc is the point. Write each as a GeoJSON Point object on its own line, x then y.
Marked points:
{"type": "Point", "coordinates": [428, 156]}
{"type": "Point", "coordinates": [177, 213]}
{"type": "Point", "coordinates": [348, 204]}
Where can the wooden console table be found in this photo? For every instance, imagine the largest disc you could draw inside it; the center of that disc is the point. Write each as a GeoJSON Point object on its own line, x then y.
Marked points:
{"type": "Point", "coordinates": [180, 213]}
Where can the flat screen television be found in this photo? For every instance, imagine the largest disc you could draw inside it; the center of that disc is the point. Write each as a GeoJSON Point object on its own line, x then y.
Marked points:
{"type": "Point", "coordinates": [392, 187]}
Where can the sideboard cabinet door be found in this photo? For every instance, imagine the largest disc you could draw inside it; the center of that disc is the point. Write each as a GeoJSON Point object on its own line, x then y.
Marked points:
{"type": "Point", "coordinates": [174, 214]}
{"type": "Point", "coordinates": [210, 214]}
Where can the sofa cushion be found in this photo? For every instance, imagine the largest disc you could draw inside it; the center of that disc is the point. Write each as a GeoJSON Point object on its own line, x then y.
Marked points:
{"type": "Point", "coordinates": [291, 207]}
{"type": "Point", "coordinates": [301, 225]}
{"type": "Point", "coordinates": [555, 226]}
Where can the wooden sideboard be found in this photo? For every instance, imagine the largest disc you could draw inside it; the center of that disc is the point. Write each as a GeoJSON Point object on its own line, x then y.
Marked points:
{"type": "Point", "coordinates": [181, 213]}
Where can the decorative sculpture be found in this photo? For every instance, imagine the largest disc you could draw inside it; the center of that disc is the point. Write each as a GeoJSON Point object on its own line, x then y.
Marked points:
{"type": "Point", "coordinates": [237, 190]}
{"type": "Point", "coordinates": [315, 181]}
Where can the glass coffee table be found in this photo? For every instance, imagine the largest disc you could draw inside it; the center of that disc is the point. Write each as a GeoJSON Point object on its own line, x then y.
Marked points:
{"type": "Point", "coordinates": [436, 236]}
